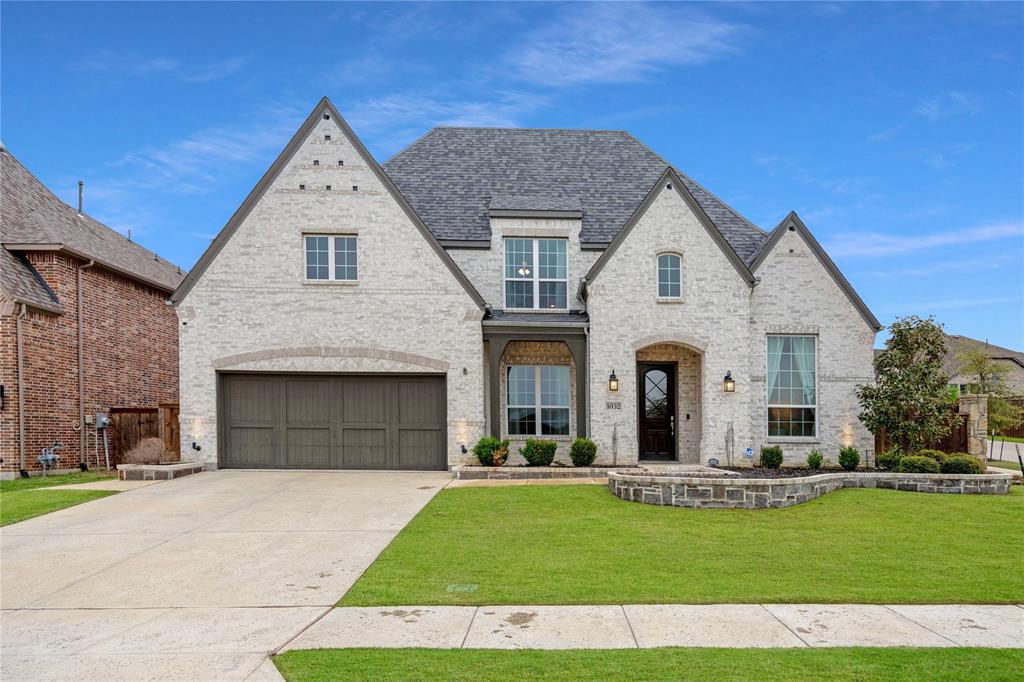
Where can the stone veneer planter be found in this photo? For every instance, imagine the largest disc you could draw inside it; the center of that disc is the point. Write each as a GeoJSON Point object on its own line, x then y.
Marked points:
{"type": "Point", "coordinates": [753, 493]}
{"type": "Point", "coordinates": [157, 472]}
{"type": "Point", "coordinates": [470, 472]}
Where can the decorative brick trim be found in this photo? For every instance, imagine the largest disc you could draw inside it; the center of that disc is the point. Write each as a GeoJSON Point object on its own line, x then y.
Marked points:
{"type": "Point", "coordinates": [229, 361]}
{"type": "Point", "coordinates": [752, 493]}
{"type": "Point", "coordinates": [672, 337]}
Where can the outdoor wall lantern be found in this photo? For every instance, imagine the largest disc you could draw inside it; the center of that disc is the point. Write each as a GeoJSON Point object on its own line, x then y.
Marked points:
{"type": "Point", "coordinates": [613, 382]}
{"type": "Point", "coordinates": [729, 384]}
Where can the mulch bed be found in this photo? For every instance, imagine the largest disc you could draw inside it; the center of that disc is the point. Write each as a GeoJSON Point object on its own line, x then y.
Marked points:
{"type": "Point", "coordinates": [779, 473]}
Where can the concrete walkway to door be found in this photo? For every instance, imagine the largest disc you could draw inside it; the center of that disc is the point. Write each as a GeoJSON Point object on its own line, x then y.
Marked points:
{"type": "Point", "coordinates": [198, 578]}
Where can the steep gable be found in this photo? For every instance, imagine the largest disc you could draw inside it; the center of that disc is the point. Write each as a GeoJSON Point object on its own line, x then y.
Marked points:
{"type": "Point", "coordinates": [324, 121]}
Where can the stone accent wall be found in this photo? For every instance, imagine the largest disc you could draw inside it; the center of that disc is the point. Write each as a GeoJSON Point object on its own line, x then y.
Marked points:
{"type": "Point", "coordinates": [713, 319]}
{"type": "Point", "coordinates": [537, 353]}
{"type": "Point", "coordinates": [407, 312]}
{"type": "Point", "coordinates": [796, 295]}
{"type": "Point", "coordinates": [688, 383]}
{"type": "Point", "coordinates": [486, 267]}
{"type": "Point", "coordinates": [737, 493]}
{"type": "Point", "coordinates": [130, 352]}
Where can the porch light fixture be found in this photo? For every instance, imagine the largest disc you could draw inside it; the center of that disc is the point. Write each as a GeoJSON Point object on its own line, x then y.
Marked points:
{"type": "Point", "coordinates": [613, 382]}
{"type": "Point", "coordinates": [729, 384]}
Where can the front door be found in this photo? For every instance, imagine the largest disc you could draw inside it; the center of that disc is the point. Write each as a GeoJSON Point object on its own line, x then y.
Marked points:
{"type": "Point", "coordinates": [657, 418]}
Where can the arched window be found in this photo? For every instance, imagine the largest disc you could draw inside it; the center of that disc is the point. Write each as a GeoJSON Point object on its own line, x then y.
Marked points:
{"type": "Point", "coordinates": [669, 271]}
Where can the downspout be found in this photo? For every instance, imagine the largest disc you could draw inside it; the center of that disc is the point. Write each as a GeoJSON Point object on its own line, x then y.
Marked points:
{"type": "Point", "coordinates": [21, 388]}
{"type": "Point", "coordinates": [80, 427]}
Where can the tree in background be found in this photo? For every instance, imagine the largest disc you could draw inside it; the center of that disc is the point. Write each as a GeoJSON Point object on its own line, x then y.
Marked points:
{"type": "Point", "coordinates": [910, 397]}
{"type": "Point", "coordinates": [988, 377]}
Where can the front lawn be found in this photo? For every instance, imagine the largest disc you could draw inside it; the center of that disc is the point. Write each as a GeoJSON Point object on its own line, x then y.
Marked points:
{"type": "Point", "coordinates": [323, 665]}
{"type": "Point", "coordinates": [582, 545]}
{"type": "Point", "coordinates": [19, 499]}
{"type": "Point", "coordinates": [1004, 464]}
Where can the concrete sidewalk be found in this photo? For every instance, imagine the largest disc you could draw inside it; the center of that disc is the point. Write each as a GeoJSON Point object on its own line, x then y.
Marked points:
{"type": "Point", "coordinates": [646, 626]}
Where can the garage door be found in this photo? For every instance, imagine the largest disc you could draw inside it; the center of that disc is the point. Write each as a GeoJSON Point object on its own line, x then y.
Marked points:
{"type": "Point", "coordinates": [293, 421]}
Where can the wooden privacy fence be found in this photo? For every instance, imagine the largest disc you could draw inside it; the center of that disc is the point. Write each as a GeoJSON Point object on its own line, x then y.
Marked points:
{"type": "Point", "coordinates": [1018, 430]}
{"type": "Point", "coordinates": [129, 425]}
{"type": "Point", "coordinates": [956, 441]}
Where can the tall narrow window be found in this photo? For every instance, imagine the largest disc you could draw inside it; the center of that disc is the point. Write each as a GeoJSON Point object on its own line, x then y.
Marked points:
{"type": "Point", "coordinates": [792, 386]}
{"type": "Point", "coordinates": [536, 274]}
{"type": "Point", "coordinates": [538, 400]}
{"type": "Point", "coordinates": [669, 269]}
{"type": "Point", "coordinates": [331, 257]}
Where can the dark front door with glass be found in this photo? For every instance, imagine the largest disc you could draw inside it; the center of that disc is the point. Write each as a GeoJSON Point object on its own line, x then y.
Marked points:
{"type": "Point", "coordinates": [657, 400]}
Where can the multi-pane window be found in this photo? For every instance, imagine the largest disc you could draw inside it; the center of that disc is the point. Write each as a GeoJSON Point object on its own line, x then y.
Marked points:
{"type": "Point", "coordinates": [669, 268]}
{"type": "Point", "coordinates": [536, 273]}
{"type": "Point", "coordinates": [792, 382]}
{"type": "Point", "coordinates": [538, 400]}
{"type": "Point", "coordinates": [331, 257]}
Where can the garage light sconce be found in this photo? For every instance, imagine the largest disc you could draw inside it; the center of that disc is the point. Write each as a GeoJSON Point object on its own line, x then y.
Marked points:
{"type": "Point", "coordinates": [729, 384]}
{"type": "Point", "coordinates": [613, 382]}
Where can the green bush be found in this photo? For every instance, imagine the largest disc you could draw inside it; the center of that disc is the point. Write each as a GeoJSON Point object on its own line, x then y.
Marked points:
{"type": "Point", "coordinates": [814, 459]}
{"type": "Point", "coordinates": [583, 452]}
{"type": "Point", "coordinates": [918, 464]}
{"type": "Point", "coordinates": [937, 455]}
{"type": "Point", "coordinates": [849, 458]}
{"type": "Point", "coordinates": [490, 451]}
{"type": "Point", "coordinates": [962, 463]}
{"type": "Point", "coordinates": [889, 460]}
{"type": "Point", "coordinates": [771, 457]}
{"type": "Point", "coordinates": [539, 453]}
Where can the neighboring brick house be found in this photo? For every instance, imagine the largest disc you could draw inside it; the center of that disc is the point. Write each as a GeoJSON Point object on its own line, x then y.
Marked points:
{"type": "Point", "coordinates": [353, 315]}
{"type": "Point", "coordinates": [85, 324]}
{"type": "Point", "coordinates": [1013, 360]}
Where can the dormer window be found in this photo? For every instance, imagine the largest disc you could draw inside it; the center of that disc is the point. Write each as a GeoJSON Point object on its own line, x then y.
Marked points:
{"type": "Point", "coordinates": [536, 276]}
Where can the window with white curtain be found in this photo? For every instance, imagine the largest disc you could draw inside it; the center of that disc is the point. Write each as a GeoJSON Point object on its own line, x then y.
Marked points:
{"type": "Point", "coordinates": [792, 386]}
{"type": "Point", "coordinates": [538, 400]}
{"type": "Point", "coordinates": [536, 274]}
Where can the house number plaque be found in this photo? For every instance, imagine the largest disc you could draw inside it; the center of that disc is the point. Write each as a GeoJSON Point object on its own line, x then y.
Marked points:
{"type": "Point", "coordinates": [613, 405]}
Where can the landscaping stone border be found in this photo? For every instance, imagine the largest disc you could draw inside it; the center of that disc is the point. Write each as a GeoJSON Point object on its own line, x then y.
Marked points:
{"type": "Point", "coordinates": [157, 472]}
{"type": "Point", "coordinates": [752, 493]}
{"type": "Point", "coordinates": [469, 472]}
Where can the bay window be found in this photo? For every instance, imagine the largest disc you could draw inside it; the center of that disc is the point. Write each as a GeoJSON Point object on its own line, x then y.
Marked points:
{"type": "Point", "coordinates": [792, 386]}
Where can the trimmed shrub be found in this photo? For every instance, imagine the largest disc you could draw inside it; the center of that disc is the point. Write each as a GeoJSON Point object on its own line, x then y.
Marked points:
{"type": "Point", "coordinates": [937, 455]}
{"type": "Point", "coordinates": [918, 464]}
{"type": "Point", "coordinates": [814, 459]}
{"type": "Point", "coordinates": [539, 453]}
{"type": "Point", "coordinates": [771, 457]}
{"type": "Point", "coordinates": [583, 452]}
{"type": "Point", "coordinates": [849, 458]}
{"type": "Point", "coordinates": [962, 463]}
{"type": "Point", "coordinates": [889, 460]}
{"type": "Point", "coordinates": [490, 451]}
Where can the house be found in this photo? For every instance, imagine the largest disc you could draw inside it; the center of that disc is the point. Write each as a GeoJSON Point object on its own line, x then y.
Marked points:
{"type": "Point", "coordinates": [522, 283]}
{"type": "Point", "coordinates": [1013, 360]}
{"type": "Point", "coordinates": [85, 325]}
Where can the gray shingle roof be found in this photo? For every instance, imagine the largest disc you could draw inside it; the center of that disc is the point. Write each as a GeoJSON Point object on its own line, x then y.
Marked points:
{"type": "Point", "coordinates": [32, 214]}
{"type": "Point", "coordinates": [20, 282]}
{"type": "Point", "coordinates": [451, 174]}
{"type": "Point", "coordinates": [534, 202]}
{"type": "Point", "coordinates": [956, 344]}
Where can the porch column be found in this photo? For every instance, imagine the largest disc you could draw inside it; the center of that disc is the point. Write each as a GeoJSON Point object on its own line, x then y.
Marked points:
{"type": "Point", "coordinates": [578, 349]}
{"type": "Point", "coordinates": [496, 345]}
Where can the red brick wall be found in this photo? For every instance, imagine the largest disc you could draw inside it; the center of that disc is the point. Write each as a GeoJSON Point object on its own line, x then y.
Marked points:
{"type": "Point", "coordinates": [130, 354]}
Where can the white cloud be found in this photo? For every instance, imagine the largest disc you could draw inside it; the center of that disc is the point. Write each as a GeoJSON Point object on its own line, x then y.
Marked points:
{"type": "Point", "coordinates": [938, 161]}
{"type": "Point", "coordinates": [879, 244]}
{"type": "Point", "coordinates": [884, 135]}
{"type": "Point", "coordinates": [946, 105]}
{"type": "Point", "coordinates": [618, 42]}
{"type": "Point", "coordinates": [941, 269]}
{"type": "Point", "coordinates": [215, 71]}
{"type": "Point", "coordinates": [927, 307]}
{"type": "Point", "coordinates": [133, 64]}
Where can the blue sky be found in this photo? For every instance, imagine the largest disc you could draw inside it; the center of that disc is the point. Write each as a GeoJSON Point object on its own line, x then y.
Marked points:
{"type": "Point", "coordinates": [896, 131]}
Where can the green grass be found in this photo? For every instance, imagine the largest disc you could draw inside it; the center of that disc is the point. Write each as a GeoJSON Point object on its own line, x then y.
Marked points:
{"type": "Point", "coordinates": [1009, 439]}
{"type": "Point", "coordinates": [1004, 464]}
{"type": "Point", "coordinates": [582, 545]}
{"type": "Point", "coordinates": [20, 499]}
{"type": "Point", "coordinates": [477, 665]}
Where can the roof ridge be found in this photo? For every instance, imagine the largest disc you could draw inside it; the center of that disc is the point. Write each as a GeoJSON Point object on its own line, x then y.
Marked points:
{"type": "Point", "coordinates": [527, 130]}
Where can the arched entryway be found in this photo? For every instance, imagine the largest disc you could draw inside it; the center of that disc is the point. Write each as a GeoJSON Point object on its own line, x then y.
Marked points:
{"type": "Point", "coordinates": [669, 414]}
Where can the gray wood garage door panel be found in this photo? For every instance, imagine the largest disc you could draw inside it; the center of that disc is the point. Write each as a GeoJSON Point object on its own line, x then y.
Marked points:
{"type": "Point", "coordinates": [334, 422]}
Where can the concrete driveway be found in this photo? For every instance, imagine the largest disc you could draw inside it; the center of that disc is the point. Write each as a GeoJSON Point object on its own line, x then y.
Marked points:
{"type": "Point", "coordinates": [197, 578]}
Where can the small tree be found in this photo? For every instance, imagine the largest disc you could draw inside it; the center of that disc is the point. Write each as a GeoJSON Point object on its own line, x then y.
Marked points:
{"type": "Point", "coordinates": [988, 377]}
{"type": "Point", "coordinates": [910, 397]}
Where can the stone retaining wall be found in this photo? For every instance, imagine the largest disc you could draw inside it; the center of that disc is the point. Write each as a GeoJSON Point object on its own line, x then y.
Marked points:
{"type": "Point", "coordinates": [157, 472]}
{"type": "Point", "coordinates": [468, 472]}
{"type": "Point", "coordinates": [748, 493]}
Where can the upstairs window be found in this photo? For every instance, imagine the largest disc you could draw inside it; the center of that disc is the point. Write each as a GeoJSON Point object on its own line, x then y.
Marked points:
{"type": "Point", "coordinates": [330, 257]}
{"type": "Point", "coordinates": [669, 269]}
{"type": "Point", "coordinates": [792, 386]}
{"type": "Point", "coordinates": [536, 274]}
